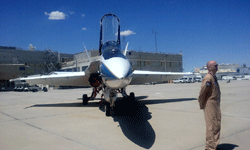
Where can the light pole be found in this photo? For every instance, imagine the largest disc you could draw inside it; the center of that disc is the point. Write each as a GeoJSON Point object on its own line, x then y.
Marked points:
{"type": "Point", "coordinates": [155, 39]}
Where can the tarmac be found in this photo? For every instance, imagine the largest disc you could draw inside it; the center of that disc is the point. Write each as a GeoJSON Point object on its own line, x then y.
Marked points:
{"type": "Point", "coordinates": [164, 117]}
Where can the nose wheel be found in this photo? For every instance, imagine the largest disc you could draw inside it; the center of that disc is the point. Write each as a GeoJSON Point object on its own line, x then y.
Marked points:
{"type": "Point", "coordinates": [85, 99]}
{"type": "Point", "coordinates": [132, 96]}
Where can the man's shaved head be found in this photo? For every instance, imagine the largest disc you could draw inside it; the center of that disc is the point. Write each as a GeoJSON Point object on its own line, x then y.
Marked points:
{"type": "Point", "coordinates": [212, 67]}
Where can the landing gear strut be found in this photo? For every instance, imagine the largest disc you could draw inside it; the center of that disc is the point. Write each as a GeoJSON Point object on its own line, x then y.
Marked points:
{"type": "Point", "coordinates": [110, 96]}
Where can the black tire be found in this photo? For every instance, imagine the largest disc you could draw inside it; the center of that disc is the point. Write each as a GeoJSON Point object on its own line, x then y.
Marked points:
{"type": "Point", "coordinates": [85, 99]}
{"type": "Point", "coordinates": [108, 109]}
{"type": "Point", "coordinates": [132, 96]}
{"type": "Point", "coordinates": [45, 89]}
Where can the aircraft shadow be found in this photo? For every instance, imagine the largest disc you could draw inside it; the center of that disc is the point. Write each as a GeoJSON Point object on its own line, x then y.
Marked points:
{"type": "Point", "coordinates": [137, 98]}
{"type": "Point", "coordinates": [132, 116]}
{"type": "Point", "coordinates": [96, 103]}
{"type": "Point", "coordinates": [133, 119]}
{"type": "Point", "coordinates": [226, 146]}
{"type": "Point", "coordinates": [160, 101]}
{"type": "Point", "coordinates": [92, 104]}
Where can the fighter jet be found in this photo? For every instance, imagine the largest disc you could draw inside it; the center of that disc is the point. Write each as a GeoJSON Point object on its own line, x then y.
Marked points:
{"type": "Point", "coordinates": [108, 76]}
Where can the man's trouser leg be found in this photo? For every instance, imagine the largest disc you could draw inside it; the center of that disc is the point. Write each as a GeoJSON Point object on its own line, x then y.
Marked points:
{"type": "Point", "coordinates": [213, 124]}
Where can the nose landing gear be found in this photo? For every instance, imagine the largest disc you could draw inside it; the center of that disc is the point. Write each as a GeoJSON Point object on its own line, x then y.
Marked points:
{"type": "Point", "coordinates": [109, 107]}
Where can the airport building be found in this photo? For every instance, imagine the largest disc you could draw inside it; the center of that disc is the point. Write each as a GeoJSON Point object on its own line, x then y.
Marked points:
{"type": "Point", "coordinates": [226, 70]}
{"type": "Point", "coordinates": [15, 62]}
{"type": "Point", "coordinates": [138, 60]}
{"type": "Point", "coordinates": [81, 61]}
{"type": "Point", "coordinates": [155, 61]}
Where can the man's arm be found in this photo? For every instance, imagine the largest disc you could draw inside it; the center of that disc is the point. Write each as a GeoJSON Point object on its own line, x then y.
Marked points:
{"type": "Point", "coordinates": [204, 92]}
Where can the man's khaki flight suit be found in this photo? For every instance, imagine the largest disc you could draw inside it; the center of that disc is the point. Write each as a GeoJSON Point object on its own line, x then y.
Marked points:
{"type": "Point", "coordinates": [209, 100]}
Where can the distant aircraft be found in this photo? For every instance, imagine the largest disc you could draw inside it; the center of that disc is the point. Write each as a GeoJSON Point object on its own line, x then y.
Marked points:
{"type": "Point", "coordinates": [109, 75]}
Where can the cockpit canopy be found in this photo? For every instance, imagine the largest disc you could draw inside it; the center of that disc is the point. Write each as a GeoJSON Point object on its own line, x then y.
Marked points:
{"type": "Point", "coordinates": [110, 31]}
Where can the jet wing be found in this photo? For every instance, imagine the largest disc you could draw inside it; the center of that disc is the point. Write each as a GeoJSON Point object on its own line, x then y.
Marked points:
{"type": "Point", "coordinates": [62, 78]}
{"type": "Point", "coordinates": [142, 76]}
{"type": "Point", "coordinates": [57, 79]}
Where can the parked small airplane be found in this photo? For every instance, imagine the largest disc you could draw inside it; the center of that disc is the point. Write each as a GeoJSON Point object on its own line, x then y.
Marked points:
{"type": "Point", "coordinates": [109, 75]}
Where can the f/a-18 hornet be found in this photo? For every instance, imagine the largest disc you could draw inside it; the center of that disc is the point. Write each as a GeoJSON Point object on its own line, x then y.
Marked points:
{"type": "Point", "coordinates": [109, 75]}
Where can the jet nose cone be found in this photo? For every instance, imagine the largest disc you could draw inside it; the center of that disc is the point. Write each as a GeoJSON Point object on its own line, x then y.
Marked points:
{"type": "Point", "coordinates": [119, 67]}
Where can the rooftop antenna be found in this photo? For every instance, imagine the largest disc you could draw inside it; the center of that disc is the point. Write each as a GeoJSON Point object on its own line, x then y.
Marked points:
{"type": "Point", "coordinates": [155, 39]}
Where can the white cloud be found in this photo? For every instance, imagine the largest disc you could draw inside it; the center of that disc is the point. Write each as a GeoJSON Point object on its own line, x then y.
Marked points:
{"type": "Point", "coordinates": [127, 33]}
{"type": "Point", "coordinates": [31, 47]}
{"type": "Point", "coordinates": [56, 15]}
{"type": "Point", "coordinates": [83, 15]}
{"type": "Point", "coordinates": [84, 29]}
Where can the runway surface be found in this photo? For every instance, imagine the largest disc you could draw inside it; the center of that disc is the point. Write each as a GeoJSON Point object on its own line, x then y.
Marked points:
{"type": "Point", "coordinates": [165, 116]}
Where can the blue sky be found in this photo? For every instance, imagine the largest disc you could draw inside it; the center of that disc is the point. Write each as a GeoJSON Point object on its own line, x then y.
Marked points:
{"type": "Point", "coordinates": [202, 30]}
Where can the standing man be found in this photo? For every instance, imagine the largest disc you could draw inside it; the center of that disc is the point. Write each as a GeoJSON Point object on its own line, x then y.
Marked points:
{"type": "Point", "coordinates": [209, 100]}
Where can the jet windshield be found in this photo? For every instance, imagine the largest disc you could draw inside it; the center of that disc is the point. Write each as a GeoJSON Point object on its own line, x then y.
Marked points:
{"type": "Point", "coordinates": [110, 28]}
{"type": "Point", "coordinates": [111, 49]}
